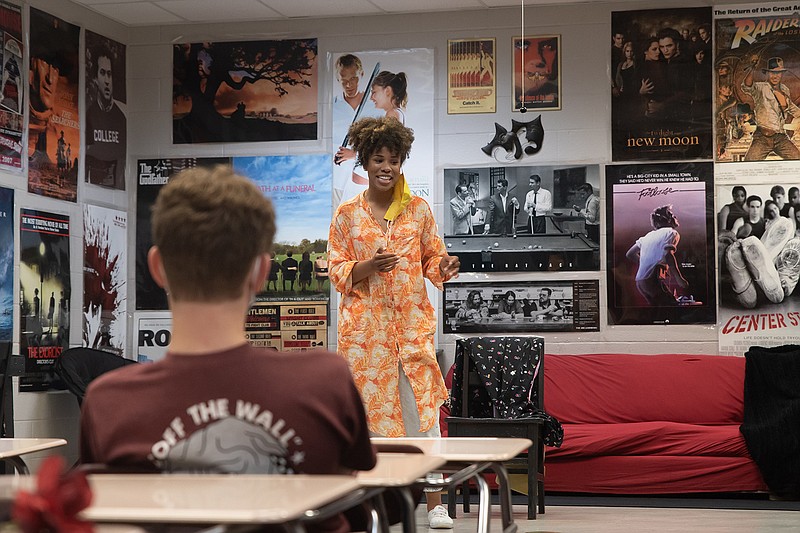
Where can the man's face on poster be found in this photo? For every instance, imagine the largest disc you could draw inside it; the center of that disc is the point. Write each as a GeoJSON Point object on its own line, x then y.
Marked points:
{"type": "Point", "coordinates": [618, 38]}
{"type": "Point", "coordinates": [668, 47]}
{"type": "Point", "coordinates": [703, 34]}
{"type": "Point", "coordinates": [774, 78]}
{"type": "Point", "coordinates": [43, 82]}
{"type": "Point", "coordinates": [105, 81]}
{"type": "Point", "coordinates": [544, 296]}
{"type": "Point", "coordinates": [540, 57]}
{"type": "Point", "coordinates": [754, 209]}
{"type": "Point", "coordinates": [349, 78]}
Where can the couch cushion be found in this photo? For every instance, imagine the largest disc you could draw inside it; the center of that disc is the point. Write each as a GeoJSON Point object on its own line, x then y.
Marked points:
{"type": "Point", "coordinates": [619, 388]}
{"type": "Point", "coordinates": [650, 438]}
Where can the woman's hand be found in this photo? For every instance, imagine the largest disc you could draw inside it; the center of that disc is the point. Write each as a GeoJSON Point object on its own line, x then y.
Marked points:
{"type": "Point", "coordinates": [449, 266]}
{"type": "Point", "coordinates": [384, 262]}
{"type": "Point", "coordinates": [343, 154]}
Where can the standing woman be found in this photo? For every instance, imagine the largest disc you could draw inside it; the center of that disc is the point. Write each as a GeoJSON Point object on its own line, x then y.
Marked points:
{"type": "Point", "coordinates": [390, 94]}
{"type": "Point", "coordinates": [382, 245]}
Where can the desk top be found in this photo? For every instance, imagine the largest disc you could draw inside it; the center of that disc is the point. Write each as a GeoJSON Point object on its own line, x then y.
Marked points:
{"type": "Point", "coordinates": [399, 469]}
{"type": "Point", "coordinates": [15, 447]}
{"type": "Point", "coordinates": [212, 498]}
{"type": "Point", "coordinates": [466, 449]}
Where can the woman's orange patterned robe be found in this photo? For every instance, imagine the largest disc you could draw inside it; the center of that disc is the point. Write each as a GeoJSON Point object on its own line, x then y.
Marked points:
{"type": "Point", "coordinates": [387, 317]}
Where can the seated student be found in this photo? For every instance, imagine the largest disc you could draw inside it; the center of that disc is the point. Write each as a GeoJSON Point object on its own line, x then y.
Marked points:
{"type": "Point", "coordinates": [215, 403]}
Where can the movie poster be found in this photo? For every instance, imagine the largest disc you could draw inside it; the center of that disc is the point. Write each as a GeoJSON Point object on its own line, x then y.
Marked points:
{"type": "Point", "coordinates": [300, 189]}
{"type": "Point", "coordinates": [661, 84]}
{"type": "Point", "coordinates": [151, 175]}
{"type": "Point", "coordinates": [471, 76]}
{"type": "Point", "coordinates": [660, 245]}
{"type": "Point", "coordinates": [54, 135]}
{"type": "Point", "coordinates": [523, 218]}
{"type": "Point", "coordinates": [759, 265]}
{"type": "Point", "coordinates": [105, 277]}
{"type": "Point", "coordinates": [244, 91]}
{"type": "Point", "coordinates": [11, 88]}
{"type": "Point", "coordinates": [757, 91]}
{"type": "Point", "coordinates": [45, 290]}
{"type": "Point", "coordinates": [153, 333]}
{"type": "Point", "coordinates": [397, 83]}
{"type": "Point", "coordinates": [537, 73]}
{"type": "Point", "coordinates": [530, 306]}
{"type": "Point", "coordinates": [6, 263]}
{"type": "Point", "coordinates": [106, 120]}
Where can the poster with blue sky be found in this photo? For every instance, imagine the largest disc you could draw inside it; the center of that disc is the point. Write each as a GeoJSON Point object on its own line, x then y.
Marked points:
{"type": "Point", "coordinates": [300, 189]}
{"type": "Point", "coordinates": [6, 263]}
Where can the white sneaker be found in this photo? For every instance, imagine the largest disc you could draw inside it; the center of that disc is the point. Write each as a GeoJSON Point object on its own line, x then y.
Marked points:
{"type": "Point", "coordinates": [439, 519]}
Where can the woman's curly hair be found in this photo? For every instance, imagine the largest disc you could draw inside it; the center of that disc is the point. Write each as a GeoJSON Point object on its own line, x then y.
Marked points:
{"type": "Point", "coordinates": [368, 135]}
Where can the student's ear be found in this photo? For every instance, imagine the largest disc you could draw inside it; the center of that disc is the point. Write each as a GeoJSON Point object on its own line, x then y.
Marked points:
{"type": "Point", "coordinates": [156, 266]}
{"type": "Point", "coordinates": [260, 272]}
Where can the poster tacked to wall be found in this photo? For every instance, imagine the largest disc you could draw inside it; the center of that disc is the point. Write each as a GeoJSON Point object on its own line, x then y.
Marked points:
{"type": "Point", "coordinates": [757, 89]}
{"type": "Point", "coordinates": [661, 102]}
{"type": "Point", "coordinates": [395, 83]}
{"type": "Point", "coordinates": [759, 265]}
{"type": "Point", "coordinates": [106, 120]}
{"type": "Point", "coordinates": [244, 91]}
{"type": "Point", "coordinates": [151, 175]}
{"type": "Point", "coordinates": [45, 289]}
{"type": "Point", "coordinates": [11, 86]}
{"type": "Point", "coordinates": [54, 134]}
{"type": "Point", "coordinates": [7, 263]}
{"type": "Point", "coordinates": [523, 218]}
{"type": "Point", "coordinates": [300, 189]}
{"type": "Point", "coordinates": [660, 245]}
{"type": "Point", "coordinates": [105, 278]}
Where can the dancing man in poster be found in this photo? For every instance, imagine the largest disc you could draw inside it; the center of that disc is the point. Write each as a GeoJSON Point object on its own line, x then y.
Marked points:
{"type": "Point", "coordinates": [655, 253]}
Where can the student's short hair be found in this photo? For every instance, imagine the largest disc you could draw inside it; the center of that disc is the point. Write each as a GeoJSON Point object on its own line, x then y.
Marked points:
{"type": "Point", "coordinates": [586, 187]}
{"type": "Point", "coordinates": [752, 198]}
{"type": "Point", "coordinates": [548, 289]}
{"type": "Point", "coordinates": [536, 177]}
{"type": "Point", "coordinates": [459, 187]}
{"type": "Point", "coordinates": [777, 189]}
{"type": "Point", "coordinates": [349, 60]}
{"type": "Point", "coordinates": [369, 135]}
{"type": "Point", "coordinates": [209, 226]}
{"type": "Point", "coordinates": [503, 182]}
{"type": "Point", "coordinates": [793, 190]}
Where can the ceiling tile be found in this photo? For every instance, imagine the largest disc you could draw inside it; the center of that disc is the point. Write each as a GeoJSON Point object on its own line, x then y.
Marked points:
{"type": "Point", "coordinates": [407, 6]}
{"type": "Point", "coordinates": [137, 13]}
{"type": "Point", "coordinates": [324, 8]}
{"type": "Point", "coordinates": [216, 10]}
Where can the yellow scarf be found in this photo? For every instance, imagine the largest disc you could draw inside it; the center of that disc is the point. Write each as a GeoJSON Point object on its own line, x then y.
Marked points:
{"type": "Point", "coordinates": [401, 197]}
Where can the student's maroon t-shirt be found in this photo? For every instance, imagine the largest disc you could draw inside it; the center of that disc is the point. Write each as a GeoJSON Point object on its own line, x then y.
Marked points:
{"type": "Point", "coordinates": [245, 410]}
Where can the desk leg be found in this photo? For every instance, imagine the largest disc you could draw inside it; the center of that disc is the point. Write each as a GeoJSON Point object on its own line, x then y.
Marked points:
{"type": "Point", "coordinates": [19, 465]}
{"type": "Point", "coordinates": [504, 489]}
{"type": "Point", "coordinates": [484, 504]}
{"type": "Point", "coordinates": [409, 519]}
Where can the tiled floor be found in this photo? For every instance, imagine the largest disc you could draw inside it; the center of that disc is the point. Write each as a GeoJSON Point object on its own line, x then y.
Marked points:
{"type": "Point", "coordinates": [563, 519]}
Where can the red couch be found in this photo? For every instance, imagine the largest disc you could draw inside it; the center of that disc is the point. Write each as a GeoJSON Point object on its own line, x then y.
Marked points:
{"type": "Point", "coordinates": [648, 424]}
